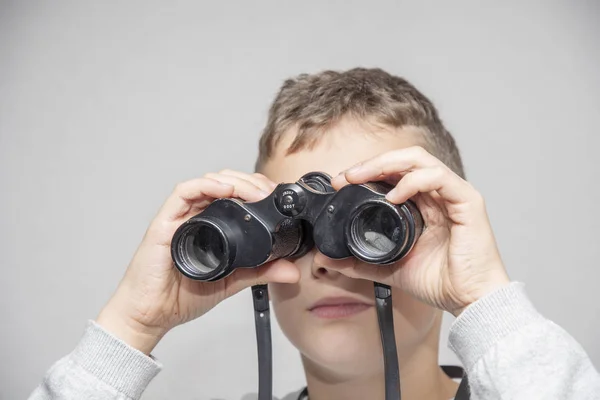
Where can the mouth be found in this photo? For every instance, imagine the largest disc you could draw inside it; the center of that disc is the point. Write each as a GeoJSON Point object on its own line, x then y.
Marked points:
{"type": "Point", "coordinates": [338, 307]}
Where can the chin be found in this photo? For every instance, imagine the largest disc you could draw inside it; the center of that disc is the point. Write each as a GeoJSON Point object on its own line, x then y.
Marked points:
{"type": "Point", "coordinates": [346, 345]}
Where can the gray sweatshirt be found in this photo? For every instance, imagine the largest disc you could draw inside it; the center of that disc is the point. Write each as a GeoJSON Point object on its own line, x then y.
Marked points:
{"type": "Point", "coordinates": [509, 351]}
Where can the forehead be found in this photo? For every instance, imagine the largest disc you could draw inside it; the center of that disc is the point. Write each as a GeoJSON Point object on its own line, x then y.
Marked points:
{"type": "Point", "coordinates": [345, 144]}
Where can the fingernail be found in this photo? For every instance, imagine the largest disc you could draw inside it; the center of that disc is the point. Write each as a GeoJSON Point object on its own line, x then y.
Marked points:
{"type": "Point", "coordinates": [227, 185]}
{"type": "Point", "coordinates": [263, 193]}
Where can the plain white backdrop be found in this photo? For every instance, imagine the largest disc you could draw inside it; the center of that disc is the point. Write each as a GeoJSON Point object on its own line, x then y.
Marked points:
{"type": "Point", "coordinates": [105, 106]}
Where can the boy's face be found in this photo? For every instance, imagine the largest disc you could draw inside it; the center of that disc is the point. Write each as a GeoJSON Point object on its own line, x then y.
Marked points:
{"type": "Point", "coordinates": [344, 338]}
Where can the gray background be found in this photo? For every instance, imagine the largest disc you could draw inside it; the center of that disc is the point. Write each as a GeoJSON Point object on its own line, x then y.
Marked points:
{"type": "Point", "coordinates": [105, 106]}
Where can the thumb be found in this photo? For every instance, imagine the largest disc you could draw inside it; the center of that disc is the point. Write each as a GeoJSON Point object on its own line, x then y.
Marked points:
{"type": "Point", "coordinates": [370, 272]}
{"type": "Point", "coordinates": [279, 271]}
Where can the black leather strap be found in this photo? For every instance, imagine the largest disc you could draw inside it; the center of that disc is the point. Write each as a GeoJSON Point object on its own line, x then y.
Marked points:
{"type": "Point", "coordinates": [303, 394]}
{"type": "Point", "coordinates": [262, 320]}
{"type": "Point", "coordinates": [453, 371]}
{"type": "Point", "coordinates": [383, 299]}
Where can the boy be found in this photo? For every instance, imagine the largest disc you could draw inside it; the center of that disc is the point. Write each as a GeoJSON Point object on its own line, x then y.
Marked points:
{"type": "Point", "coordinates": [384, 129]}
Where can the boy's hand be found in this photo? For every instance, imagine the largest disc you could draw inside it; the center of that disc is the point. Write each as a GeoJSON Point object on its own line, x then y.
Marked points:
{"type": "Point", "coordinates": [455, 261]}
{"type": "Point", "coordinates": [154, 296]}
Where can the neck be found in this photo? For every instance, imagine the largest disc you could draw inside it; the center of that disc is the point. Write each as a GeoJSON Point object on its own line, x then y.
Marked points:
{"type": "Point", "coordinates": [420, 378]}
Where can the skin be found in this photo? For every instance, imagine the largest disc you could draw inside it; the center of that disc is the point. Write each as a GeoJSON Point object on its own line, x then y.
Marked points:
{"type": "Point", "coordinates": [454, 263]}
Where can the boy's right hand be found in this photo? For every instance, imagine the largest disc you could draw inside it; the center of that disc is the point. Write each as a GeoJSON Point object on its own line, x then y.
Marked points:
{"type": "Point", "coordinates": [153, 296]}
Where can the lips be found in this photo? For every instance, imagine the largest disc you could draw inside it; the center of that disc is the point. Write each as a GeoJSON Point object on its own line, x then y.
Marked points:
{"type": "Point", "coordinates": [339, 307]}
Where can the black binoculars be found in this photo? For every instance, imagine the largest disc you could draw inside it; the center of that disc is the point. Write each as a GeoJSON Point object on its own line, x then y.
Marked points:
{"type": "Point", "coordinates": [356, 221]}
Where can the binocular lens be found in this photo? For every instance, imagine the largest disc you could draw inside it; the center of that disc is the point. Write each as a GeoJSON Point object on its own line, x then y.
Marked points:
{"type": "Point", "coordinates": [203, 249]}
{"type": "Point", "coordinates": [376, 230]}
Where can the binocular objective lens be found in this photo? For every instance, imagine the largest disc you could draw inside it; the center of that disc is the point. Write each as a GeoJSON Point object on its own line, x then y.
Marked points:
{"type": "Point", "coordinates": [204, 249]}
{"type": "Point", "coordinates": [377, 231]}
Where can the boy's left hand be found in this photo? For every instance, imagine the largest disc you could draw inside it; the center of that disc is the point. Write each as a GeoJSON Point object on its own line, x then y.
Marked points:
{"type": "Point", "coordinates": [456, 261]}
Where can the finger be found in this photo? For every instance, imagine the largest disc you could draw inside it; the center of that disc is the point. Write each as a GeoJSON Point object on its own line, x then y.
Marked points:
{"type": "Point", "coordinates": [397, 162]}
{"type": "Point", "coordinates": [257, 179]}
{"type": "Point", "coordinates": [340, 181]}
{"type": "Point", "coordinates": [433, 199]}
{"type": "Point", "coordinates": [279, 271]}
{"type": "Point", "coordinates": [360, 270]}
{"type": "Point", "coordinates": [199, 192]}
{"type": "Point", "coordinates": [243, 188]}
{"type": "Point", "coordinates": [272, 185]}
{"type": "Point", "coordinates": [450, 187]}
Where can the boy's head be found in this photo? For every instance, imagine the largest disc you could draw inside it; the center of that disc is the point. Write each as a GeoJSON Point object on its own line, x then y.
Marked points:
{"type": "Point", "coordinates": [328, 122]}
{"type": "Point", "coordinates": [309, 105]}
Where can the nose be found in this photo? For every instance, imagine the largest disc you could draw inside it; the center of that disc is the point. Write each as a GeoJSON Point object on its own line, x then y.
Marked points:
{"type": "Point", "coordinates": [321, 266]}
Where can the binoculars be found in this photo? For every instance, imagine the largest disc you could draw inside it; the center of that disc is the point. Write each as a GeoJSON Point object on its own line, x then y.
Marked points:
{"type": "Point", "coordinates": [356, 221]}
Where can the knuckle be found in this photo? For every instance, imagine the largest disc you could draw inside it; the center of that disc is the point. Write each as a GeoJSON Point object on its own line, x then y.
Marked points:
{"type": "Point", "coordinates": [179, 187]}
{"type": "Point", "coordinates": [476, 195]}
{"type": "Point", "coordinates": [479, 199]}
{"type": "Point", "coordinates": [226, 171]}
{"type": "Point", "coordinates": [419, 151]}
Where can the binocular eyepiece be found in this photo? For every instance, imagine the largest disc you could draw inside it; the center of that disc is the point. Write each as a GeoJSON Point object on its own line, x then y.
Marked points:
{"type": "Point", "coordinates": [355, 221]}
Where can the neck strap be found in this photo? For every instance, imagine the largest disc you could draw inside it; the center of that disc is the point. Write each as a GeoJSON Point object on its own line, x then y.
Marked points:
{"type": "Point", "coordinates": [383, 297]}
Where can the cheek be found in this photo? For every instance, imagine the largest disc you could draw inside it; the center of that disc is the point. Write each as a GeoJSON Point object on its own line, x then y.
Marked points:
{"type": "Point", "coordinates": [413, 320]}
{"type": "Point", "coordinates": [289, 310]}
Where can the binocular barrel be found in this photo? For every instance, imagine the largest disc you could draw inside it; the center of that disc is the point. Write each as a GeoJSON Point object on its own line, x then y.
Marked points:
{"type": "Point", "coordinates": [354, 221]}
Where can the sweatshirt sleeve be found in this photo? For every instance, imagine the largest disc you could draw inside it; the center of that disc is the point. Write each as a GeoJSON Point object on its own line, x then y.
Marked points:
{"type": "Point", "coordinates": [101, 367]}
{"type": "Point", "coordinates": [510, 351]}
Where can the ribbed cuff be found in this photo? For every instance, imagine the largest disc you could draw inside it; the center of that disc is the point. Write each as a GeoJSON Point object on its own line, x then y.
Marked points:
{"type": "Point", "coordinates": [114, 362]}
{"type": "Point", "coordinates": [491, 318]}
